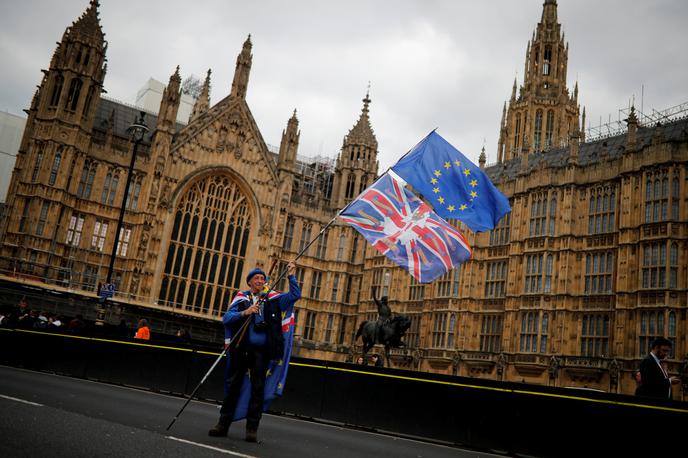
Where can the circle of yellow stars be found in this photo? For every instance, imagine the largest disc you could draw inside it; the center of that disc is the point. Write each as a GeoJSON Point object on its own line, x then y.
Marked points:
{"type": "Point", "coordinates": [466, 172]}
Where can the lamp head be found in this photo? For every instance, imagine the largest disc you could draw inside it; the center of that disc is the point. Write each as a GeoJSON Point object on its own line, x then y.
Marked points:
{"type": "Point", "coordinates": [139, 128]}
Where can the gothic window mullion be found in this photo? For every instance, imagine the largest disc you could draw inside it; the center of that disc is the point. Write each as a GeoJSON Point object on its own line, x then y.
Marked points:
{"type": "Point", "coordinates": [212, 227]}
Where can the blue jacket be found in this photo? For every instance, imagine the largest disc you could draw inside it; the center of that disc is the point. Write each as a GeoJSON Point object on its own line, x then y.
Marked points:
{"type": "Point", "coordinates": [272, 314]}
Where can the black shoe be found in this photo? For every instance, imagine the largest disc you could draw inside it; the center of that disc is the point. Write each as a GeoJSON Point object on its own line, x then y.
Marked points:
{"type": "Point", "coordinates": [251, 435]}
{"type": "Point", "coordinates": [221, 428]}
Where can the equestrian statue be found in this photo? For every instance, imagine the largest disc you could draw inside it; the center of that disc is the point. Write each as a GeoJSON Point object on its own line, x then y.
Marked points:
{"type": "Point", "coordinates": [387, 330]}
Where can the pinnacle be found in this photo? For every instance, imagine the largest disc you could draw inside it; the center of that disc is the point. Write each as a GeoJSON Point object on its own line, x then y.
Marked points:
{"type": "Point", "coordinates": [88, 23]}
{"type": "Point", "coordinates": [362, 132]}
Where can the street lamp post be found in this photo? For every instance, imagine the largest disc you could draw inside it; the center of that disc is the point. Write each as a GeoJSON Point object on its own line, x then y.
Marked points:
{"type": "Point", "coordinates": [137, 131]}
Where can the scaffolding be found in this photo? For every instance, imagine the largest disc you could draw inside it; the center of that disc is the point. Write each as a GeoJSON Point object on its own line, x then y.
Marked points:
{"type": "Point", "coordinates": [619, 126]}
{"type": "Point", "coordinates": [313, 176]}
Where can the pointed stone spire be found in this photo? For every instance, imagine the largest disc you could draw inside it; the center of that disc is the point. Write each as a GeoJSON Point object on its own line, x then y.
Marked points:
{"type": "Point", "coordinates": [172, 88]}
{"type": "Point", "coordinates": [242, 70]}
{"type": "Point", "coordinates": [575, 92]}
{"type": "Point", "coordinates": [357, 162]}
{"type": "Point", "coordinates": [169, 105]}
{"type": "Point", "coordinates": [362, 132]}
{"type": "Point", "coordinates": [203, 102]}
{"type": "Point", "coordinates": [88, 25]}
{"type": "Point", "coordinates": [77, 71]}
{"type": "Point", "coordinates": [543, 91]}
{"type": "Point", "coordinates": [482, 159]}
{"type": "Point", "coordinates": [583, 126]}
{"type": "Point", "coordinates": [289, 144]}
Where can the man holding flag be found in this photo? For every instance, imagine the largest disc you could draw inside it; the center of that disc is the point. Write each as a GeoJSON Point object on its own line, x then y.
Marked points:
{"type": "Point", "coordinates": [258, 347]}
{"type": "Point", "coordinates": [412, 233]}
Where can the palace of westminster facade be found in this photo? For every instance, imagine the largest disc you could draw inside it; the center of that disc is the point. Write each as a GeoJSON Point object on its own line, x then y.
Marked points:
{"type": "Point", "coordinates": [567, 290]}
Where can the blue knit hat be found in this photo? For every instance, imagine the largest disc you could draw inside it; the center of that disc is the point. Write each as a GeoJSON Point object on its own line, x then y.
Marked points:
{"type": "Point", "coordinates": [256, 271]}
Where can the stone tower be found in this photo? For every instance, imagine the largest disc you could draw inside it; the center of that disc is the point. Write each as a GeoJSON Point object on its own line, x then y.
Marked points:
{"type": "Point", "coordinates": [74, 80]}
{"type": "Point", "coordinates": [543, 114]}
{"type": "Point", "coordinates": [55, 142]}
{"type": "Point", "coordinates": [357, 163]}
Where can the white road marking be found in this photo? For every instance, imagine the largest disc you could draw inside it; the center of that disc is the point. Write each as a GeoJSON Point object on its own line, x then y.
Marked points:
{"type": "Point", "coordinates": [217, 449]}
{"type": "Point", "coordinates": [21, 400]}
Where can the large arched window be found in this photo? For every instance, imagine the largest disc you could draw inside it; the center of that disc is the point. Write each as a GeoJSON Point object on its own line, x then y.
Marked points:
{"type": "Point", "coordinates": [207, 249]}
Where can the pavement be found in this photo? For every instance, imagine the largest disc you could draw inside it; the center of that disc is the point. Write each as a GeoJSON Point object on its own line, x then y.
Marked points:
{"type": "Point", "coordinates": [47, 415]}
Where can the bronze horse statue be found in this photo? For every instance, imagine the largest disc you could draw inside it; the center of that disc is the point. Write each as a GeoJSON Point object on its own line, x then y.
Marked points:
{"type": "Point", "coordinates": [387, 330]}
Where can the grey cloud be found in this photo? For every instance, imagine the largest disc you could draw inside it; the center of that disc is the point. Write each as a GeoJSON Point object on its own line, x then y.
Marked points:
{"type": "Point", "coordinates": [441, 63]}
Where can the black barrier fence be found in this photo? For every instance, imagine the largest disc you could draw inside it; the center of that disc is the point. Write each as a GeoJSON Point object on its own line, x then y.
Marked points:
{"type": "Point", "coordinates": [510, 418]}
{"type": "Point", "coordinates": [163, 323]}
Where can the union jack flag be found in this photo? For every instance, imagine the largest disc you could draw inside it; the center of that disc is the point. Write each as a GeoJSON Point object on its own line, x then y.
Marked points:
{"type": "Point", "coordinates": [406, 230]}
{"type": "Point", "coordinates": [277, 369]}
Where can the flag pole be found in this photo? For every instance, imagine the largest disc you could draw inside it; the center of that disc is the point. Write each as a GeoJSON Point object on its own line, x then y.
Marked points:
{"type": "Point", "coordinates": [414, 147]}
{"type": "Point", "coordinates": [304, 249]}
{"type": "Point", "coordinates": [240, 335]}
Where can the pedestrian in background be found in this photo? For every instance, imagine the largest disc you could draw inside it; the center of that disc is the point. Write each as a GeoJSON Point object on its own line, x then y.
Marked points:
{"type": "Point", "coordinates": [143, 332]}
{"type": "Point", "coordinates": [377, 361]}
{"type": "Point", "coordinates": [654, 378]}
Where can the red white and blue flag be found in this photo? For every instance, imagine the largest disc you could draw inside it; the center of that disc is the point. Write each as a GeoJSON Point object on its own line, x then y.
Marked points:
{"type": "Point", "coordinates": [277, 369]}
{"type": "Point", "coordinates": [406, 230]}
{"type": "Point", "coordinates": [246, 296]}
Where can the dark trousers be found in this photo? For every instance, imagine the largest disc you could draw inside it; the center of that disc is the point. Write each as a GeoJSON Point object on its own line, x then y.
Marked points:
{"type": "Point", "coordinates": [255, 361]}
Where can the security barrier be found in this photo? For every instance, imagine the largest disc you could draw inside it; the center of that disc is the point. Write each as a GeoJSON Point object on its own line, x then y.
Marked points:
{"type": "Point", "coordinates": [505, 417]}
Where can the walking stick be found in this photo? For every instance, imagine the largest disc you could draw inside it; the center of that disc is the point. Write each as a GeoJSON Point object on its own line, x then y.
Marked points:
{"type": "Point", "coordinates": [240, 335]}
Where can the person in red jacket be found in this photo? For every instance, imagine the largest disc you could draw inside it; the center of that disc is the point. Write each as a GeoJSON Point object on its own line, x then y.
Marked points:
{"type": "Point", "coordinates": [143, 332]}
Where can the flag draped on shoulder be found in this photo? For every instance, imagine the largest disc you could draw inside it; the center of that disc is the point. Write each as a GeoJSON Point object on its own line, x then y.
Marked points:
{"type": "Point", "coordinates": [452, 184]}
{"type": "Point", "coordinates": [277, 369]}
{"type": "Point", "coordinates": [406, 230]}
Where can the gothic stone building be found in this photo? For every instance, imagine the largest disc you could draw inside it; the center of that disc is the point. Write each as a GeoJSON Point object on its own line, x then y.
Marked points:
{"type": "Point", "coordinates": [568, 290]}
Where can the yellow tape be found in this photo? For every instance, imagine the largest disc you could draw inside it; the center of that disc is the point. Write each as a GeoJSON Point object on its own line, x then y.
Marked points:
{"type": "Point", "coordinates": [489, 388]}
{"type": "Point", "coordinates": [400, 377]}
{"type": "Point", "coordinates": [97, 339]}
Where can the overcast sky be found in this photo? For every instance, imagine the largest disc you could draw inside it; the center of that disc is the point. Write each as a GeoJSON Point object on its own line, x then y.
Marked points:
{"type": "Point", "coordinates": [446, 63]}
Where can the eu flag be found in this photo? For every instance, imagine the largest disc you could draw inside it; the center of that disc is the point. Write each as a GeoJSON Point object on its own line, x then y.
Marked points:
{"type": "Point", "coordinates": [277, 371]}
{"type": "Point", "coordinates": [453, 185]}
{"type": "Point", "coordinates": [406, 230]}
